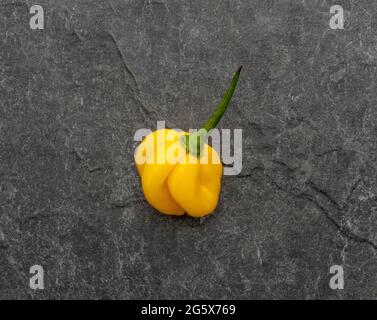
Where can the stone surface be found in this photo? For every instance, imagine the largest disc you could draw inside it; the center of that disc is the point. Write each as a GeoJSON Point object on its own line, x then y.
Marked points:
{"type": "Point", "coordinates": [73, 95]}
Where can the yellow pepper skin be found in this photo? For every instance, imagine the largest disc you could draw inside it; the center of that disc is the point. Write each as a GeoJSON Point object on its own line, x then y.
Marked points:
{"type": "Point", "coordinates": [178, 184]}
{"type": "Point", "coordinates": [179, 172]}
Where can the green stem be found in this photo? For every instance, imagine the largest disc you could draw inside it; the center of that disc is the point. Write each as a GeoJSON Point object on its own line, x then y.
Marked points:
{"type": "Point", "coordinates": [194, 142]}
{"type": "Point", "coordinates": [223, 105]}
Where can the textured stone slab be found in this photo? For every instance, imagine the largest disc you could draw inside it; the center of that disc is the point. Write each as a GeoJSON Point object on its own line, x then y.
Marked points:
{"type": "Point", "coordinates": [72, 96]}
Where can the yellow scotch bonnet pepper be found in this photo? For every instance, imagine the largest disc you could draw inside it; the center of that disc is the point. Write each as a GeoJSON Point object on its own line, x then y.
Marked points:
{"type": "Point", "coordinates": [179, 172]}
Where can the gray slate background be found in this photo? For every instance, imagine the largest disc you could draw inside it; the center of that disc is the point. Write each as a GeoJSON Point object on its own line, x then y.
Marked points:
{"type": "Point", "coordinates": [72, 96]}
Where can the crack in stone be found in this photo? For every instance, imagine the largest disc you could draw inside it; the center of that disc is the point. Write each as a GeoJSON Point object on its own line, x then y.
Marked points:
{"type": "Point", "coordinates": [325, 194]}
{"type": "Point", "coordinates": [248, 174]}
{"type": "Point", "coordinates": [127, 204]}
{"type": "Point", "coordinates": [77, 35]}
{"type": "Point", "coordinates": [319, 155]}
{"type": "Point", "coordinates": [343, 230]}
{"type": "Point", "coordinates": [354, 187]}
{"type": "Point", "coordinates": [83, 160]}
{"type": "Point", "coordinates": [39, 216]}
{"type": "Point", "coordinates": [134, 84]}
{"type": "Point", "coordinates": [346, 232]}
{"type": "Point", "coordinates": [283, 164]}
{"type": "Point", "coordinates": [242, 176]}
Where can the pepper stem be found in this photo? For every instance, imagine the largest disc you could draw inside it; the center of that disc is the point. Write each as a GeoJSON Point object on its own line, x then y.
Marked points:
{"type": "Point", "coordinates": [194, 142]}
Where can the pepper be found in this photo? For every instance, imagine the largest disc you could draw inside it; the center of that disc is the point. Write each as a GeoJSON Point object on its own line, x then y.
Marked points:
{"type": "Point", "coordinates": [179, 172]}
